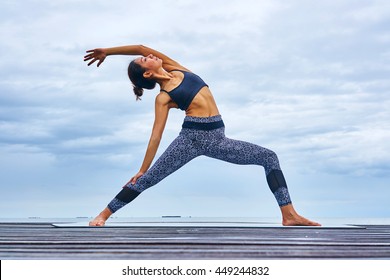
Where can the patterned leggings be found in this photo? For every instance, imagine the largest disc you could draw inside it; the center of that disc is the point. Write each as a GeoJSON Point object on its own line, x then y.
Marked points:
{"type": "Point", "coordinates": [211, 142]}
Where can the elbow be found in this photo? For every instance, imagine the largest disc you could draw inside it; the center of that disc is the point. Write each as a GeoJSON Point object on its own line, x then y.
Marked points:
{"type": "Point", "coordinates": [155, 139]}
{"type": "Point", "coordinates": [142, 48]}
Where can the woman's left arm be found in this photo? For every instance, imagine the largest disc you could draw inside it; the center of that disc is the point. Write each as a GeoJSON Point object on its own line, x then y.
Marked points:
{"type": "Point", "coordinates": [161, 115]}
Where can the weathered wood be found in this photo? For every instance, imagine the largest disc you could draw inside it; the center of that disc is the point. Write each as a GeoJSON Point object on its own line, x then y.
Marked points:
{"type": "Point", "coordinates": [42, 241]}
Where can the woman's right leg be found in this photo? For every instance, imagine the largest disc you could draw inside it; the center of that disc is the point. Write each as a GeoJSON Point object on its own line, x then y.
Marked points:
{"type": "Point", "coordinates": [179, 152]}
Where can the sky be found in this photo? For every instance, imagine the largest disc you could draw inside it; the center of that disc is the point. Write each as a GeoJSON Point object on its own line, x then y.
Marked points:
{"type": "Point", "coordinates": [306, 79]}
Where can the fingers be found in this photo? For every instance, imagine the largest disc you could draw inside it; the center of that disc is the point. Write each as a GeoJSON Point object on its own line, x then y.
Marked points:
{"type": "Point", "coordinates": [134, 180]}
{"type": "Point", "coordinates": [87, 57]}
{"type": "Point", "coordinates": [91, 54]}
{"type": "Point", "coordinates": [92, 61]}
{"type": "Point", "coordinates": [100, 62]}
{"type": "Point", "coordinates": [94, 58]}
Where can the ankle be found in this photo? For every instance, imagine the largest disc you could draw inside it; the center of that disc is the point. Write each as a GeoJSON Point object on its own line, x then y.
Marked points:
{"type": "Point", "coordinates": [288, 212]}
{"type": "Point", "coordinates": [105, 214]}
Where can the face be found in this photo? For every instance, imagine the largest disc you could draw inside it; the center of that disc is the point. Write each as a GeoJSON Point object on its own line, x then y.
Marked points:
{"type": "Point", "coordinates": [149, 62]}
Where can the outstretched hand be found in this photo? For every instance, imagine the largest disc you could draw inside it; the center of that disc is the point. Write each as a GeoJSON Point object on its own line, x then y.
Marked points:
{"type": "Point", "coordinates": [95, 55]}
{"type": "Point", "coordinates": [135, 178]}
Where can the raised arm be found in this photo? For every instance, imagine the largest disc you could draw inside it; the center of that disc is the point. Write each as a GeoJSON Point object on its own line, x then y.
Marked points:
{"type": "Point", "coordinates": [100, 55]}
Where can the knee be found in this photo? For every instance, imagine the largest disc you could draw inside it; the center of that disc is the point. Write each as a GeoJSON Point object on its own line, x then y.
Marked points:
{"type": "Point", "coordinates": [271, 154]}
{"type": "Point", "coordinates": [143, 183]}
{"type": "Point", "coordinates": [272, 161]}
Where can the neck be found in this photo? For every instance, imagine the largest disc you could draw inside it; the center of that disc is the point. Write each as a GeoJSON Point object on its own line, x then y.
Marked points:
{"type": "Point", "coordinates": [162, 77]}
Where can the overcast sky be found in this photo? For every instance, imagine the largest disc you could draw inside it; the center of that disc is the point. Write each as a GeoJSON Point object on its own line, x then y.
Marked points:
{"type": "Point", "coordinates": [307, 79]}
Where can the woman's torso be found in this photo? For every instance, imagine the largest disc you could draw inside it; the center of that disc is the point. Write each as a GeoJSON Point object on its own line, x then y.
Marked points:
{"type": "Point", "coordinates": [202, 102]}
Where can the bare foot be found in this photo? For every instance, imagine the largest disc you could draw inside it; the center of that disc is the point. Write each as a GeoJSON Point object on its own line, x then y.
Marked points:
{"type": "Point", "coordinates": [292, 218]}
{"type": "Point", "coordinates": [97, 222]}
{"type": "Point", "coordinates": [298, 221]}
{"type": "Point", "coordinates": [101, 219]}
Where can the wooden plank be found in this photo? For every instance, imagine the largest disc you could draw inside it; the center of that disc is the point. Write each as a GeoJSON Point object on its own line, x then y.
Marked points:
{"type": "Point", "coordinates": [42, 241]}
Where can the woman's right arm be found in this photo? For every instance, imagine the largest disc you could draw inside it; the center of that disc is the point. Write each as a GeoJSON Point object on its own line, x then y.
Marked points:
{"type": "Point", "coordinates": [101, 53]}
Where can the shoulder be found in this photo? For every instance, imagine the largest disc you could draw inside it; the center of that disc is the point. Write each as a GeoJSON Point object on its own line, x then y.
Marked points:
{"type": "Point", "coordinates": [163, 99]}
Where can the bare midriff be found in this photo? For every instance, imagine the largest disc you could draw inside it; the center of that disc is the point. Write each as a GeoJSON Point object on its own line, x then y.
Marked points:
{"type": "Point", "coordinates": [203, 105]}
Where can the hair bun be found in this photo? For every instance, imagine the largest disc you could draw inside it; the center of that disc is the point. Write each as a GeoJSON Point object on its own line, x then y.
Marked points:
{"type": "Point", "coordinates": [138, 92]}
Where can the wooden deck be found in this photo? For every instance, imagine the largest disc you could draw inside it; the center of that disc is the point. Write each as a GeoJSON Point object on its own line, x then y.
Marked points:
{"type": "Point", "coordinates": [42, 241]}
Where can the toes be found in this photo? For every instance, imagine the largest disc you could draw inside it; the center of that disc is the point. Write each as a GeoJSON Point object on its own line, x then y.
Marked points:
{"type": "Point", "coordinates": [96, 223]}
{"type": "Point", "coordinates": [300, 222]}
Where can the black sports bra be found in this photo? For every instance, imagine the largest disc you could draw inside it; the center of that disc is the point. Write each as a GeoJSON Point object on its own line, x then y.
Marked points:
{"type": "Point", "coordinates": [185, 92]}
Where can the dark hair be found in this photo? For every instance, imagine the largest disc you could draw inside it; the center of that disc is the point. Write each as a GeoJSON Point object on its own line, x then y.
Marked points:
{"type": "Point", "coordinates": [136, 76]}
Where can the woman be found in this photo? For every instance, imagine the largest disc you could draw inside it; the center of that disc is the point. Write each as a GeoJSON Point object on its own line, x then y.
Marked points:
{"type": "Point", "coordinates": [202, 131]}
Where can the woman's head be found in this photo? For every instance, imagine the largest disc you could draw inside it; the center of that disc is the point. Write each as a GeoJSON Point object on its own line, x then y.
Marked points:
{"type": "Point", "coordinates": [141, 72]}
{"type": "Point", "coordinates": [136, 76]}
